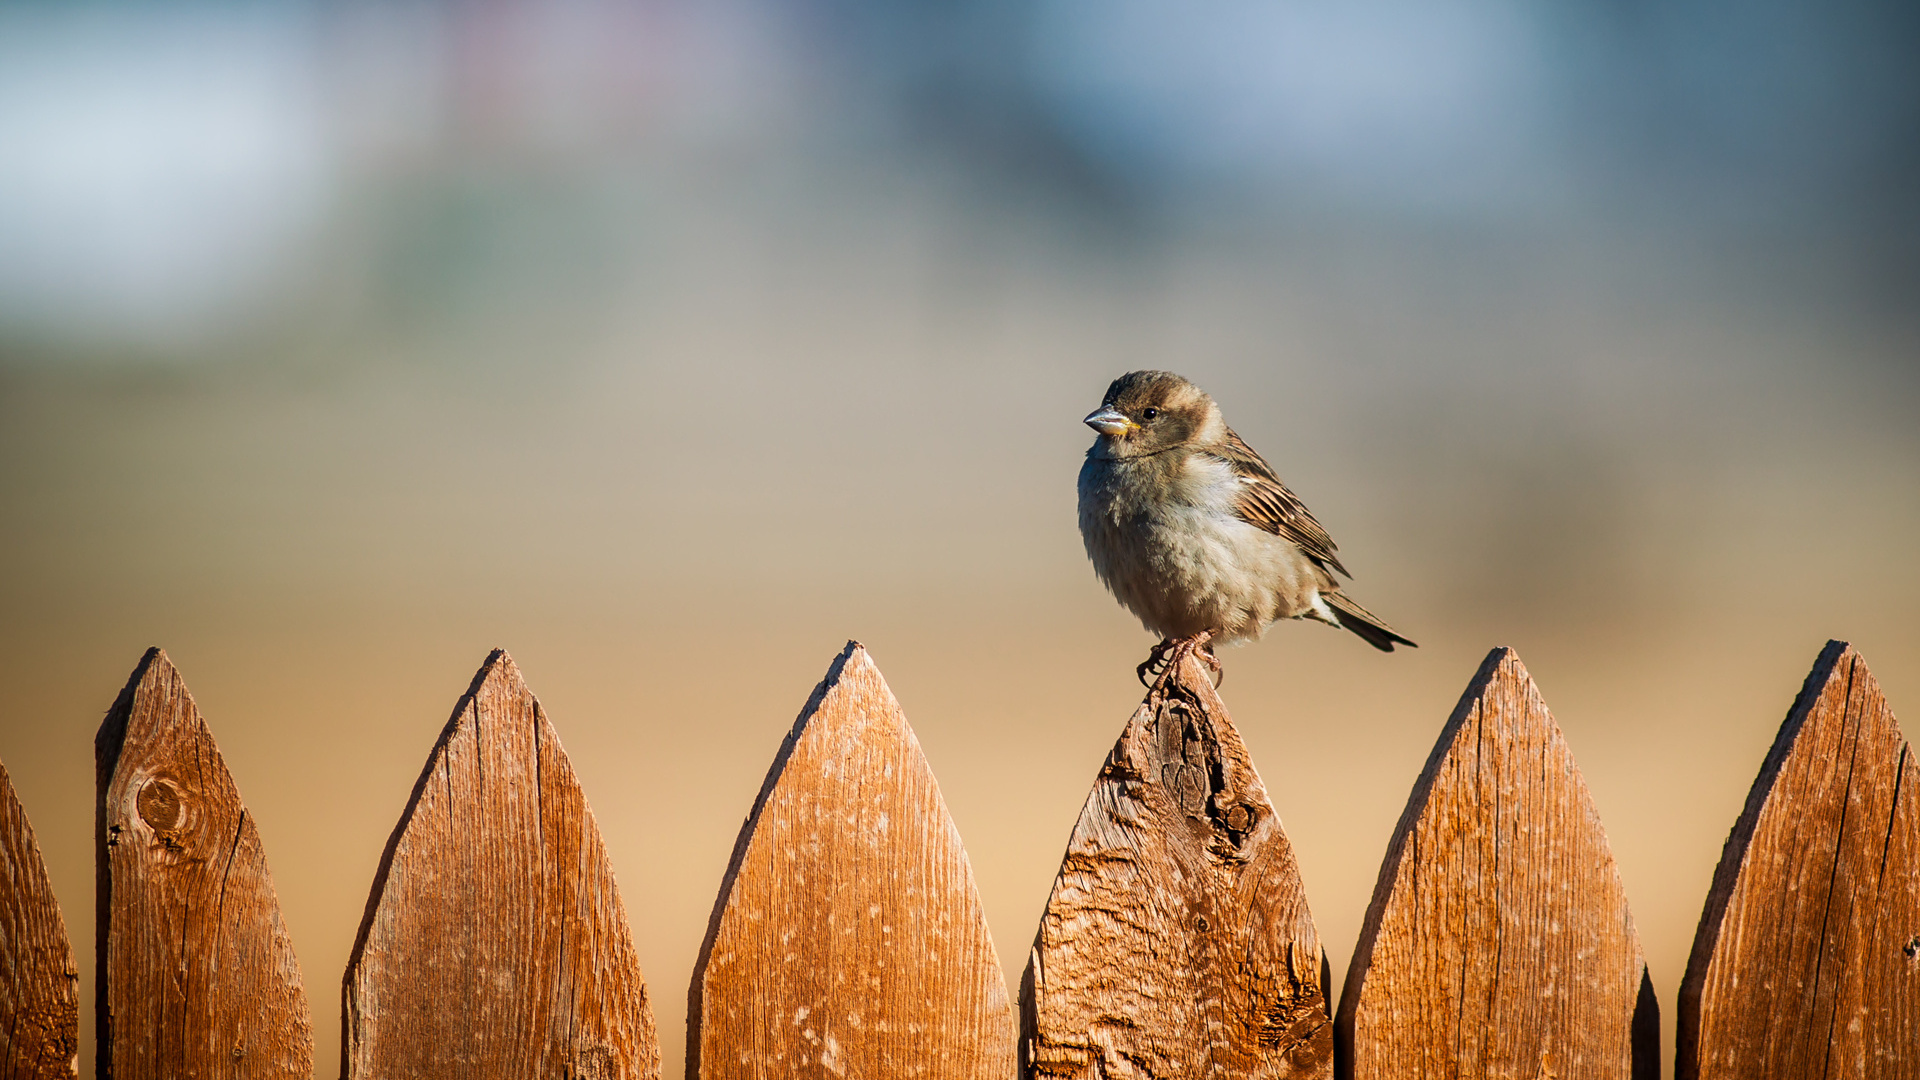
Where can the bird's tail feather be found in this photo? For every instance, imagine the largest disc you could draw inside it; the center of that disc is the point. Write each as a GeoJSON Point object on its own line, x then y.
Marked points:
{"type": "Point", "coordinates": [1366, 624]}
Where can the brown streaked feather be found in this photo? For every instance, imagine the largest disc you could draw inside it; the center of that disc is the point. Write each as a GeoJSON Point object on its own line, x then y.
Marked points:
{"type": "Point", "coordinates": [1265, 502]}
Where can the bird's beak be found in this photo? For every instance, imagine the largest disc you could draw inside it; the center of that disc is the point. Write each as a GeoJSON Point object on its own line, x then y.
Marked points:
{"type": "Point", "coordinates": [1108, 421]}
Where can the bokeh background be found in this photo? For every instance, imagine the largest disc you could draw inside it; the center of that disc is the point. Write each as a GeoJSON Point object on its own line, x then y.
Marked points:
{"type": "Point", "coordinates": [670, 343]}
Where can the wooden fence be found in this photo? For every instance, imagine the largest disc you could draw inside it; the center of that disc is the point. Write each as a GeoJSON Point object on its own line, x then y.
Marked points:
{"type": "Point", "coordinates": [848, 941]}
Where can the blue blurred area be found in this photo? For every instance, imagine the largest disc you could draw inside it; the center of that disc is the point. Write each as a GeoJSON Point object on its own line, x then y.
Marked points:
{"type": "Point", "coordinates": [174, 174]}
{"type": "Point", "coordinates": [1496, 107]}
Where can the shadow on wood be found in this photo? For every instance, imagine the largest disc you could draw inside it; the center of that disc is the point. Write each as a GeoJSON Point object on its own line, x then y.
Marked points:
{"type": "Point", "coordinates": [494, 942]}
{"type": "Point", "coordinates": [847, 939]}
{"type": "Point", "coordinates": [1807, 959]}
{"type": "Point", "coordinates": [1177, 940]}
{"type": "Point", "coordinates": [1498, 942]}
{"type": "Point", "coordinates": [39, 984]}
{"type": "Point", "coordinates": [197, 975]}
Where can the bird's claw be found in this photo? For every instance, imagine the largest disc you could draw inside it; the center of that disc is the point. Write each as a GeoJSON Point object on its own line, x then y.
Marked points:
{"type": "Point", "coordinates": [1165, 659]}
{"type": "Point", "coordinates": [1155, 665]}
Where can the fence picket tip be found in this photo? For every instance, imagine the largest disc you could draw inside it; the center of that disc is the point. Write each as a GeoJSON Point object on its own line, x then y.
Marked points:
{"type": "Point", "coordinates": [196, 973]}
{"type": "Point", "coordinates": [40, 1003]}
{"type": "Point", "coordinates": [508, 872]}
{"type": "Point", "coordinates": [1499, 811]}
{"type": "Point", "coordinates": [1177, 939]}
{"type": "Point", "coordinates": [847, 866]}
{"type": "Point", "coordinates": [1824, 847]}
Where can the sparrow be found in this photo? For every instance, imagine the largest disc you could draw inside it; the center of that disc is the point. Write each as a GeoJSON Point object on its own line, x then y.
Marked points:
{"type": "Point", "coordinates": [1193, 532]}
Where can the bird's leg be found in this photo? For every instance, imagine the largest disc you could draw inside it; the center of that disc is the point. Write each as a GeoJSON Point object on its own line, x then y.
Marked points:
{"type": "Point", "coordinates": [1203, 650]}
{"type": "Point", "coordinates": [1166, 656]}
{"type": "Point", "coordinates": [1157, 663]}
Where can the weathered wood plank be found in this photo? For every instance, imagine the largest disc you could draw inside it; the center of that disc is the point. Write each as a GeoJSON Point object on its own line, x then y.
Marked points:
{"type": "Point", "coordinates": [495, 943]}
{"type": "Point", "coordinates": [197, 975]}
{"type": "Point", "coordinates": [1498, 942]}
{"type": "Point", "coordinates": [848, 939]}
{"type": "Point", "coordinates": [39, 984]}
{"type": "Point", "coordinates": [1177, 941]}
{"type": "Point", "coordinates": [1807, 960]}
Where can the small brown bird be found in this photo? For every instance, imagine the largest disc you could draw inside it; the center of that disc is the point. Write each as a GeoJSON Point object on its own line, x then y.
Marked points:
{"type": "Point", "coordinates": [1193, 532]}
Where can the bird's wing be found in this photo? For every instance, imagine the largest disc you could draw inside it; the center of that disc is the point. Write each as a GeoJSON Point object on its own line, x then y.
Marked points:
{"type": "Point", "coordinates": [1265, 502]}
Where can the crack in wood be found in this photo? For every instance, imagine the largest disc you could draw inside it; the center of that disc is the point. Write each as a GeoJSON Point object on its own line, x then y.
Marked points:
{"type": "Point", "coordinates": [1498, 940]}
{"type": "Point", "coordinates": [1797, 967]}
{"type": "Point", "coordinates": [1177, 941]}
{"type": "Point", "coordinates": [197, 975]}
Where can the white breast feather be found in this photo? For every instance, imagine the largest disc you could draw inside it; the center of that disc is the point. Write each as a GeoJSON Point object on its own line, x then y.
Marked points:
{"type": "Point", "coordinates": [1186, 562]}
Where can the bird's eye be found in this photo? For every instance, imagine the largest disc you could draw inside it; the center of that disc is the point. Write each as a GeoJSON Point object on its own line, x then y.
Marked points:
{"type": "Point", "coordinates": [1149, 413]}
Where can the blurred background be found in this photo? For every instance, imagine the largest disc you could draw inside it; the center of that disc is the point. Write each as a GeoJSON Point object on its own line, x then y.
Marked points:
{"type": "Point", "coordinates": [670, 344]}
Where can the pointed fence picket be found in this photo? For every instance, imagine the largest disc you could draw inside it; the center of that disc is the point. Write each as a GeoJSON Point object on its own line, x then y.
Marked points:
{"type": "Point", "coordinates": [1498, 942]}
{"type": "Point", "coordinates": [495, 895]}
{"type": "Point", "coordinates": [1807, 960]}
{"type": "Point", "coordinates": [39, 986]}
{"type": "Point", "coordinates": [196, 973]}
{"type": "Point", "coordinates": [1177, 941]}
{"type": "Point", "coordinates": [848, 939]}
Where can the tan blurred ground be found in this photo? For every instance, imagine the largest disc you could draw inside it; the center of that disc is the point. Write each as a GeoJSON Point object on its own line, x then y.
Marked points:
{"type": "Point", "coordinates": [1663, 484]}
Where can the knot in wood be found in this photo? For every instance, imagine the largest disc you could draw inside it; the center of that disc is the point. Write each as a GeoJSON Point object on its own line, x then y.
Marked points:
{"type": "Point", "coordinates": [159, 805]}
{"type": "Point", "coordinates": [1177, 941]}
{"type": "Point", "coordinates": [1196, 773]}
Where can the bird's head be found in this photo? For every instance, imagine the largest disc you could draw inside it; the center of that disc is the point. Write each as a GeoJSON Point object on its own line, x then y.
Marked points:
{"type": "Point", "coordinates": [1147, 412]}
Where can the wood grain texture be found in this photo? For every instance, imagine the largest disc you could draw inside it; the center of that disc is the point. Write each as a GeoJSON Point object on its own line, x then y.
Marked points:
{"type": "Point", "coordinates": [1177, 941]}
{"type": "Point", "coordinates": [1807, 960]}
{"type": "Point", "coordinates": [848, 940]}
{"type": "Point", "coordinates": [495, 943]}
{"type": "Point", "coordinates": [1498, 942]}
{"type": "Point", "coordinates": [197, 976]}
{"type": "Point", "coordinates": [39, 984]}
